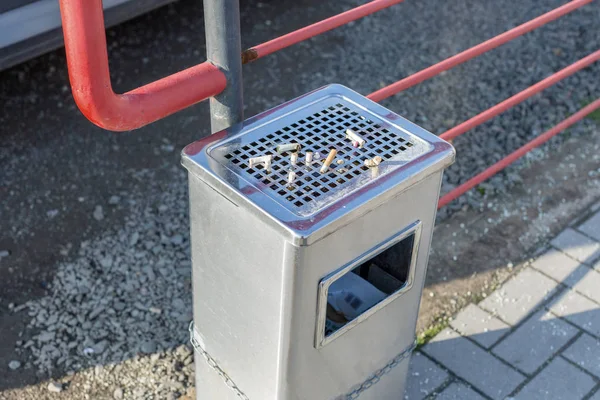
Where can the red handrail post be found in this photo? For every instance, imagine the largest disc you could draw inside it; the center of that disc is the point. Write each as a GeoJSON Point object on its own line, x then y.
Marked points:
{"type": "Point", "coordinates": [87, 58]}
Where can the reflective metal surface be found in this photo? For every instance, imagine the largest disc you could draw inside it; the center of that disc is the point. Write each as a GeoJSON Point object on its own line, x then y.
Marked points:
{"type": "Point", "coordinates": [317, 200]}
{"type": "Point", "coordinates": [259, 259]}
{"type": "Point", "coordinates": [320, 338]}
{"type": "Point", "coordinates": [318, 128]}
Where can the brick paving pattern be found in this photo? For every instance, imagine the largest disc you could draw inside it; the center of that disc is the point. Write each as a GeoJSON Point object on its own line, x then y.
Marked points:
{"type": "Point", "coordinates": [535, 337]}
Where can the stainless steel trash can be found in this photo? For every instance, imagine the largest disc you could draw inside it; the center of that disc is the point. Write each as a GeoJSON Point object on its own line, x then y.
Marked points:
{"type": "Point", "coordinates": [310, 228]}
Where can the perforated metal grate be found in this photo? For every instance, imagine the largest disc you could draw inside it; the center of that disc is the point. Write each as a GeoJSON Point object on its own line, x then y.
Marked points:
{"type": "Point", "coordinates": [319, 132]}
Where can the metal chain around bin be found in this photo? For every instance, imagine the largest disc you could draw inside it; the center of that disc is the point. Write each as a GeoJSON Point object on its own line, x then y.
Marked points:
{"type": "Point", "coordinates": [213, 364]}
{"type": "Point", "coordinates": [373, 379]}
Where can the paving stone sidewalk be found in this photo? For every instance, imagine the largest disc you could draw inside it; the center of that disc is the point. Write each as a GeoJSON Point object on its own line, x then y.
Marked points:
{"type": "Point", "coordinates": [536, 337]}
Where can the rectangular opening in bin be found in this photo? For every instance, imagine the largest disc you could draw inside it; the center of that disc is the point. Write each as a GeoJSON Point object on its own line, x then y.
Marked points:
{"type": "Point", "coordinates": [349, 296]}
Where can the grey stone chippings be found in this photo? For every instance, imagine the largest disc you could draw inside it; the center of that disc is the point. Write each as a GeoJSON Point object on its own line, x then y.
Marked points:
{"type": "Point", "coordinates": [55, 387]}
{"type": "Point", "coordinates": [98, 213]}
{"type": "Point", "coordinates": [171, 396]}
{"type": "Point", "coordinates": [51, 213]}
{"type": "Point", "coordinates": [148, 346]}
{"type": "Point", "coordinates": [114, 307]}
{"type": "Point", "coordinates": [14, 364]}
{"type": "Point", "coordinates": [114, 200]}
{"type": "Point", "coordinates": [118, 394]}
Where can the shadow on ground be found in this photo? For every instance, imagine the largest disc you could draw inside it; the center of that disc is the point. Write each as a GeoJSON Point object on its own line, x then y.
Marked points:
{"type": "Point", "coordinates": [533, 347]}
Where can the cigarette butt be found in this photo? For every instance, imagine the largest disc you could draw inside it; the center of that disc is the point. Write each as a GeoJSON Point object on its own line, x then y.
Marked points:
{"type": "Point", "coordinates": [328, 160]}
{"type": "Point", "coordinates": [373, 162]}
{"type": "Point", "coordinates": [374, 172]}
{"type": "Point", "coordinates": [309, 158]}
{"type": "Point", "coordinates": [266, 160]}
{"type": "Point", "coordinates": [294, 159]}
{"type": "Point", "coordinates": [317, 155]}
{"type": "Point", "coordinates": [355, 137]}
{"type": "Point", "coordinates": [291, 177]}
{"type": "Point", "coordinates": [283, 148]}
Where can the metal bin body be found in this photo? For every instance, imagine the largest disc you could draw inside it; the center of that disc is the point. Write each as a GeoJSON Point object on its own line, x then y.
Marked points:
{"type": "Point", "coordinates": [266, 255]}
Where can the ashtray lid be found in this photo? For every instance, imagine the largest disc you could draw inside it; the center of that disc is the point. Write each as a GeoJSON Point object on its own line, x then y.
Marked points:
{"type": "Point", "coordinates": [264, 159]}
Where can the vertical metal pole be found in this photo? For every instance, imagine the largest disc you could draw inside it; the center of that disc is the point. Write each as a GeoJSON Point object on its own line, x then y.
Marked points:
{"type": "Point", "coordinates": [224, 49]}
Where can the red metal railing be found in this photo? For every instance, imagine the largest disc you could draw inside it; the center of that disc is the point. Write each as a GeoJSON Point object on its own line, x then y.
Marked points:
{"type": "Point", "coordinates": [520, 97]}
{"type": "Point", "coordinates": [87, 57]}
{"type": "Point", "coordinates": [475, 51]}
{"type": "Point", "coordinates": [264, 49]}
{"type": "Point", "coordinates": [88, 71]}
{"type": "Point", "coordinates": [514, 156]}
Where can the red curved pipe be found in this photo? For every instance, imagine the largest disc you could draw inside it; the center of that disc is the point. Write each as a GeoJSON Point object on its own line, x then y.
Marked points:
{"type": "Point", "coordinates": [87, 58]}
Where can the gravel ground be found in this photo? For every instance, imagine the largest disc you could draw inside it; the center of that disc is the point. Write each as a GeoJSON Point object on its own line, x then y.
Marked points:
{"type": "Point", "coordinates": [126, 294]}
{"type": "Point", "coordinates": [94, 240]}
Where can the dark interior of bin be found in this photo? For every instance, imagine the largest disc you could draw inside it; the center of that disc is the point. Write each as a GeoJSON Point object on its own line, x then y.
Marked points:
{"type": "Point", "coordinates": [394, 263]}
{"type": "Point", "coordinates": [388, 271]}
